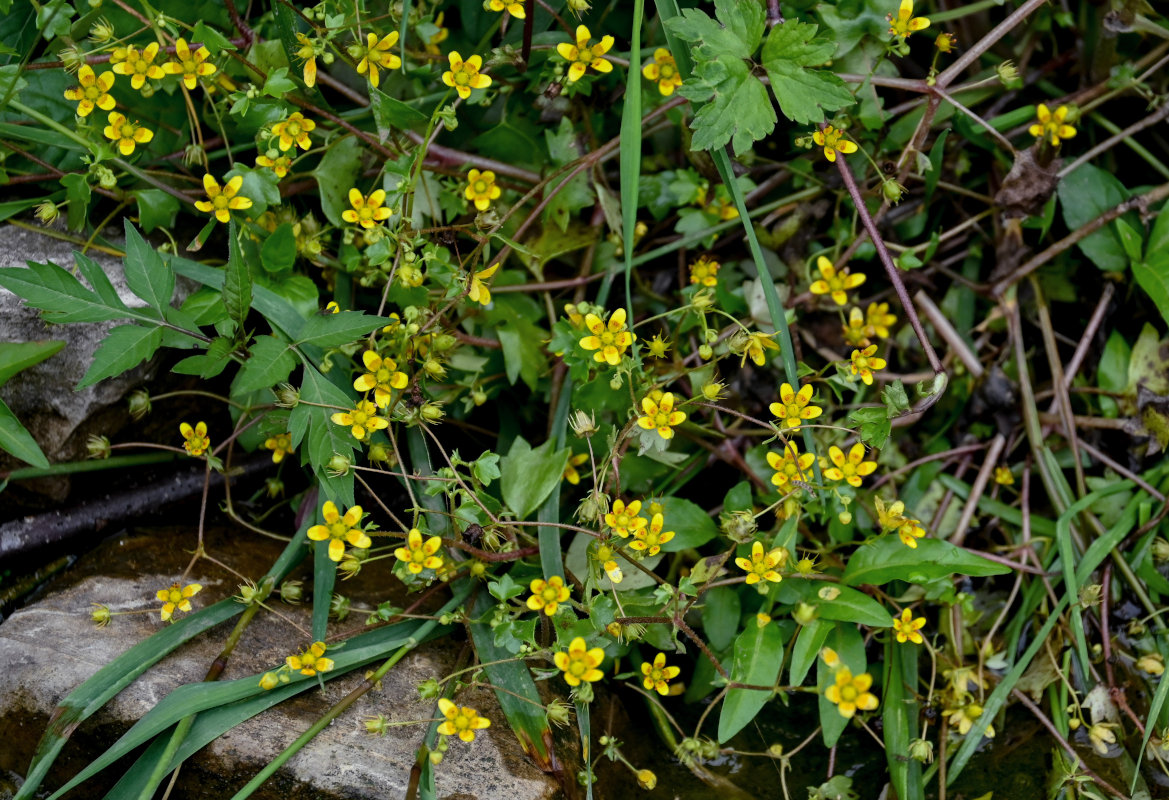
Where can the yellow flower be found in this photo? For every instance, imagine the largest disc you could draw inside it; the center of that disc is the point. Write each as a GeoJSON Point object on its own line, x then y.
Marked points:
{"type": "Point", "coordinates": [849, 693]}
{"type": "Point", "coordinates": [94, 91]}
{"type": "Point", "coordinates": [650, 540]}
{"type": "Point", "coordinates": [481, 188]}
{"type": "Point", "coordinates": [548, 595]}
{"type": "Point", "coordinates": [367, 210]}
{"type": "Point", "coordinates": [604, 553]}
{"type": "Point", "coordinates": [1051, 125]}
{"type": "Point", "coordinates": [891, 517]}
{"type": "Point", "coordinates": [611, 342]}
{"type": "Point", "coordinates": [832, 140]}
{"type": "Point", "coordinates": [515, 8]}
{"type": "Point", "coordinates": [377, 54]}
{"type": "Point", "coordinates": [176, 599]}
{"type": "Point", "coordinates": [461, 722]}
{"type": "Point", "coordinates": [579, 663]}
{"type": "Point", "coordinates": [906, 23]}
{"type": "Point", "coordinates": [855, 331]}
{"type": "Point", "coordinates": [965, 716]}
{"type": "Point", "coordinates": [623, 518]}
{"type": "Point", "coordinates": [864, 362]}
{"type": "Point", "coordinates": [835, 283]}
{"type": "Point", "coordinates": [791, 466]}
{"type": "Point", "coordinates": [1003, 476]}
{"type": "Point", "coordinates": [570, 473]}
{"type": "Point", "coordinates": [722, 207]}
{"type": "Point", "coordinates": [307, 52]}
{"type": "Point", "coordinates": [945, 42]}
{"type": "Point", "coordinates": [127, 134]}
{"type": "Point", "coordinates": [277, 163]}
{"type": "Point", "coordinates": [850, 469]}
{"type": "Point", "coordinates": [139, 65]}
{"type": "Point", "coordinates": [280, 445]}
{"type": "Point", "coordinates": [909, 532]}
{"type": "Point", "coordinates": [761, 566]}
{"type": "Point", "coordinates": [222, 201]}
{"type": "Point", "coordinates": [294, 130]}
{"type": "Point", "coordinates": [382, 377]}
{"type": "Point", "coordinates": [479, 292]}
{"type": "Point", "coordinates": [1152, 663]}
{"type": "Point", "coordinates": [196, 441]}
{"type": "Point", "coordinates": [439, 37]}
{"type": "Point", "coordinates": [658, 347]}
{"type": "Point", "coordinates": [664, 71]}
{"type": "Point", "coordinates": [646, 779]}
{"type": "Point", "coordinates": [464, 76]}
{"type": "Point", "coordinates": [581, 56]}
{"type": "Point", "coordinates": [878, 319]}
{"type": "Point", "coordinates": [339, 529]}
{"type": "Point", "coordinates": [362, 420]}
{"type": "Point", "coordinates": [418, 555]}
{"type": "Point", "coordinates": [794, 407]}
{"type": "Point", "coordinates": [907, 628]}
{"type": "Point", "coordinates": [756, 347]}
{"type": "Point", "coordinates": [661, 415]}
{"type": "Point", "coordinates": [192, 66]}
{"type": "Point", "coordinates": [705, 271]}
{"type": "Point", "coordinates": [311, 661]}
{"type": "Point", "coordinates": [658, 675]}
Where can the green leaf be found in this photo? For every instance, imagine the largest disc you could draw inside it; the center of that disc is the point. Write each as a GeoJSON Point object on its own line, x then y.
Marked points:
{"type": "Point", "coordinates": [874, 425]}
{"type": "Point", "coordinates": [237, 281]}
{"type": "Point", "coordinates": [270, 361]}
{"type": "Point", "coordinates": [278, 253]}
{"type": "Point", "coordinates": [336, 175]}
{"type": "Point", "coordinates": [806, 649]}
{"type": "Point", "coordinates": [279, 84]}
{"type": "Point", "coordinates": [212, 39]}
{"type": "Point", "coordinates": [61, 296]}
{"type": "Point", "coordinates": [335, 330]}
{"type": "Point", "coordinates": [1085, 195]}
{"type": "Point", "coordinates": [835, 602]}
{"type": "Point", "coordinates": [1130, 239]}
{"type": "Point", "coordinates": [146, 273]}
{"type": "Point", "coordinates": [691, 525]}
{"type": "Point", "coordinates": [736, 34]}
{"type": "Point", "coordinates": [758, 660]}
{"type": "Point", "coordinates": [156, 209]}
{"type": "Point", "coordinates": [899, 714]}
{"type": "Point", "coordinates": [18, 441]}
{"type": "Point", "coordinates": [846, 640]}
{"type": "Point", "coordinates": [804, 94]}
{"type": "Point", "coordinates": [77, 193]}
{"type": "Point", "coordinates": [528, 476]}
{"type": "Point", "coordinates": [720, 616]}
{"type": "Point", "coordinates": [324, 438]}
{"type": "Point", "coordinates": [1112, 371]}
{"type": "Point", "coordinates": [390, 112]}
{"type": "Point", "coordinates": [887, 559]}
{"type": "Point", "coordinates": [523, 350]}
{"type": "Point", "coordinates": [124, 348]}
{"type": "Point", "coordinates": [1153, 277]}
{"type": "Point", "coordinates": [209, 364]}
{"type": "Point", "coordinates": [1158, 236]}
{"type": "Point", "coordinates": [17, 356]}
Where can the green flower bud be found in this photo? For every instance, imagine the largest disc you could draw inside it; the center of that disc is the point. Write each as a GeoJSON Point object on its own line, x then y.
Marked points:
{"type": "Point", "coordinates": [339, 607]}
{"type": "Point", "coordinates": [339, 465]}
{"type": "Point", "coordinates": [292, 592]}
{"type": "Point", "coordinates": [98, 447]}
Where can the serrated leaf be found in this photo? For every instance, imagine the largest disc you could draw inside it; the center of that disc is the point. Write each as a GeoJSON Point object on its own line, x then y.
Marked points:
{"type": "Point", "coordinates": [270, 361]}
{"type": "Point", "coordinates": [887, 559]}
{"type": "Point", "coordinates": [16, 440]}
{"type": "Point", "coordinates": [334, 330]}
{"type": "Point", "coordinates": [735, 106]}
{"type": "Point", "coordinates": [124, 348]}
{"type": "Point", "coordinates": [209, 364]}
{"type": "Point", "coordinates": [736, 33]}
{"type": "Point", "coordinates": [758, 660]}
{"type": "Point", "coordinates": [59, 295]}
{"type": "Point", "coordinates": [804, 94]}
{"type": "Point", "coordinates": [146, 273]}
{"type": "Point", "coordinates": [17, 356]}
{"type": "Point", "coordinates": [237, 281]}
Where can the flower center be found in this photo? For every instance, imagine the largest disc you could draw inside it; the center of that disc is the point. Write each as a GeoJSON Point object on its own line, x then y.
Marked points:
{"type": "Point", "coordinates": [666, 71]}
{"type": "Point", "coordinates": [126, 131]}
{"type": "Point", "coordinates": [661, 419]}
{"type": "Point", "coordinates": [92, 92]}
{"type": "Point", "coordinates": [338, 530]}
{"type": "Point", "coordinates": [220, 201]}
{"type": "Point", "coordinates": [848, 694]}
{"type": "Point", "coordinates": [586, 55]}
{"type": "Point", "coordinates": [480, 187]}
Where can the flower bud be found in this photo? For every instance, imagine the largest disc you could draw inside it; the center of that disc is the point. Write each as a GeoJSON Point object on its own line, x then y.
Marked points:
{"type": "Point", "coordinates": [775, 751]}
{"type": "Point", "coordinates": [100, 615]}
{"type": "Point", "coordinates": [147, 90]}
{"type": "Point", "coordinates": [269, 681]}
{"type": "Point", "coordinates": [432, 412]}
{"type": "Point", "coordinates": [946, 42]}
{"type": "Point", "coordinates": [705, 352]}
{"type": "Point", "coordinates": [922, 751]}
{"type": "Point", "coordinates": [339, 466]}
{"type": "Point", "coordinates": [892, 190]}
{"type": "Point", "coordinates": [105, 176]}
{"type": "Point", "coordinates": [1151, 663]}
{"type": "Point", "coordinates": [593, 507]}
{"type": "Point", "coordinates": [379, 453]}
{"type": "Point", "coordinates": [845, 517]}
{"type": "Point", "coordinates": [355, 51]}
{"type": "Point", "coordinates": [478, 396]}
{"type": "Point", "coordinates": [805, 614]}
{"type": "Point", "coordinates": [376, 725]}
{"type": "Point", "coordinates": [287, 396]}
{"type": "Point", "coordinates": [646, 779]}
{"type": "Point", "coordinates": [292, 592]}
{"type": "Point", "coordinates": [714, 391]}
{"type": "Point", "coordinates": [98, 447]}
{"type": "Point", "coordinates": [435, 758]}
{"type": "Point", "coordinates": [47, 213]}
{"type": "Point", "coordinates": [739, 526]}
{"type": "Point", "coordinates": [339, 607]}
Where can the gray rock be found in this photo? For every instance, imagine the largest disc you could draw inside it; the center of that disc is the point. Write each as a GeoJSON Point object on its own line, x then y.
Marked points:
{"type": "Point", "coordinates": [52, 646]}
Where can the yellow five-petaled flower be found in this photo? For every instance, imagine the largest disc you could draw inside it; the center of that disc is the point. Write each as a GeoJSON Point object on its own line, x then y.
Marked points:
{"type": "Point", "coordinates": [581, 55]}
{"type": "Point", "coordinates": [339, 529]}
{"type": "Point", "coordinates": [1052, 125]}
{"type": "Point", "coordinates": [610, 342]}
{"type": "Point", "coordinates": [580, 663]}
{"type": "Point", "coordinates": [294, 130]}
{"type": "Point", "coordinates": [418, 555]}
{"type": "Point", "coordinates": [833, 141]}
{"type": "Point", "coordinates": [362, 420]}
{"type": "Point", "coordinates": [461, 722]}
{"type": "Point", "coordinates": [865, 362]}
{"type": "Point", "coordinates": [307, 52]}
{"type": "Point", "coordinates": [657, 675]}
{"type": "Point", "coordinates": [908, 629]}
{"type": "Point", "coordinates": [761, 566]}
{"type": "Point", "coordinates": [623, 519]}
{"type": "Point", "coordinates": [221, 201]}
{"type": "Point", "coordinates": [660, 415]}
{"type": "Point", "coordinates": [274, 161]}
{"type": "Point", "coordinates": [794, 407]}
{"type": "Point", "coordinates": [367, 210]}
{"type": "Point", "coordinates": [376, 53]}
{"type": "Point", "coordinates": [176, 599]}
{"type": "Point", "coordinates": [192, 66]}
{"type": "Point", "coordinates": [548, 595]}
{"type": "Point", "coordinates": [513, 7]}
{"type": "Point", "coordinates": [850, 469]}
{"type": "Point", "coordinates": [850, 693]}
{"type": "Point", "coordinates": [481, 188]}
{"type": "Point", "coordinates": [834, 282]}
{"type": "Point", "coordinates": [650, 540]}
{"type": "Point", "coordinates": [906, 23]}
{"type": "Point", "coordinates": [127, 134]}
{"type": "Point", "coordinates": [382, 376]}
{"type": "Point", "coordinates": [94, 91]}
{"type": "Point", "coordinates": [705, 271]}
{"type": "Point", "coordinates": [195, 440]}
{"type": "Point", "coordinates": [791, 466]}
{"type": "Point", "coordinates": [311, 661]}
{"type": "Point", "coordinates": [463, 76]}
{"type": "Point", "coordinates": [280, 445]}
{"type": "Point", "coordinates": [139, 65]}
{"type": "Point", "coordinates": [663, 70]}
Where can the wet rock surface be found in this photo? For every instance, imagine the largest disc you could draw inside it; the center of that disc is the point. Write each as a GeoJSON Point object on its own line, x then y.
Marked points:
{"type": "Point", "coordinates": [52, 646]}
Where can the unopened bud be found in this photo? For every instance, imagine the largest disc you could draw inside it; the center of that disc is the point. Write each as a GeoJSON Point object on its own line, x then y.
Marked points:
{"type": "Point", "coordinates": [646, 779]}
{"type": "Point", "coordinates": [432, 412]}
{"type": "Point", "coordinates": [287, 396]}
{"type": "Point", "coordinates": [705, 352]}
{"type": "Point", "coordinates": [47, 212]}
{"type": "Point", "coordinates": [339, 466]}
{"type": "Point", "coordinates": [739, 526]}
{"type": "Point", "coordinates": [583, 424]}
{"type": "Point", "coordinates": [892, 190]}
{"type": "Point", "coordinates": [805, 614]}
{"type": "Point", "coordinates": [379, 453]}
{"type": "Point", "coordinates": [922, 751]}
{"type": "Point", "coordinates": [339, 607]}
{"type": "Point", "coordinates": [98, 447]}
{"type": "Point", "coordinates": [292, 592]}
{"type": "Point", "coordinates": [269, 681]}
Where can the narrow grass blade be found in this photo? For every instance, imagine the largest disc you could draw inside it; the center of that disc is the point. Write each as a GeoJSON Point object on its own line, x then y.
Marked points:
{"type": "Point", "coordinates": [584, 725]}
{"type": "Point", "coordinates": [900, 715]}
